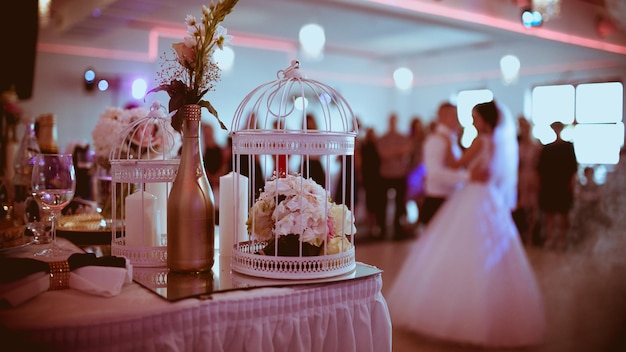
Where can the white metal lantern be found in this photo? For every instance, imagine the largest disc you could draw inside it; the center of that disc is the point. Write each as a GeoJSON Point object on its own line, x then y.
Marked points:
{"type": "Point", "coordinates": [143, 167]}
{"type": "Point", "coordinates": [297, 158]}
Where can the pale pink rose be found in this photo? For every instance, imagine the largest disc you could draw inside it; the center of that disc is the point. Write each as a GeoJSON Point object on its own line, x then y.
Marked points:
{"type": "Point", "coordinates": [190, 41]}
{"type": "Point", "coordinates": [147, 135]}
{"type": "Point", "coordinates": [186, 55]}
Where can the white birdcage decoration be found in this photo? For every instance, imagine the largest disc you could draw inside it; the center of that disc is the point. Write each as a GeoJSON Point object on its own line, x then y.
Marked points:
{"type": "Point", "coordinates": [143, 166]}
{"type": "Point", "coordinates": [299, 189]}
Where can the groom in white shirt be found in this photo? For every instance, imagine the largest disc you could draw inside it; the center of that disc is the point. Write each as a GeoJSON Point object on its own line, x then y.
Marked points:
{"type": "Point", "coordinates": [441, 180]}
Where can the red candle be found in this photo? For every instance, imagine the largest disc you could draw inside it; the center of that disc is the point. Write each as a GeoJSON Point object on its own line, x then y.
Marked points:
{"type": "Point", "coordinates": [281, 166]}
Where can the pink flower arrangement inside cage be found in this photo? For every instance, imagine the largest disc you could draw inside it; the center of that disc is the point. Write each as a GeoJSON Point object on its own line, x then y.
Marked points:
{"type": "Point", "coordinates": [292, 207]}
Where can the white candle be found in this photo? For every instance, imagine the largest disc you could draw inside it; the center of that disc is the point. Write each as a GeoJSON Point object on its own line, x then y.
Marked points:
{"type": "Point", "coordinates": [161, 191]}
{"type": "Point", "coordinates": [142, 220]}
{"type": "Point", "coordinates": [233, 211]}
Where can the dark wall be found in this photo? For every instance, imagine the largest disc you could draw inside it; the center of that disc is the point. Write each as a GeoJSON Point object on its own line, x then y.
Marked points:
{"type": "Point", "coordinates": [18, 39]}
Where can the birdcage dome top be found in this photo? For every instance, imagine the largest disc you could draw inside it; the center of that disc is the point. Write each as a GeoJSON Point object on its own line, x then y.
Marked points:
{"type": "Point", "coordinates": [274, 118]}
{"type": "Point", "coordinates": [146, 149]}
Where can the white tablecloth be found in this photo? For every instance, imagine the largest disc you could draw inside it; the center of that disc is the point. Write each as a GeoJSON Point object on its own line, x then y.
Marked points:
{"type": "Point", "coordinates": [341, 316]}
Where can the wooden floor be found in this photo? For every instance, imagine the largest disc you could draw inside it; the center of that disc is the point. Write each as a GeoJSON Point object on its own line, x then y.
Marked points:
{"type": "Point", "coordinates": [584, 285]}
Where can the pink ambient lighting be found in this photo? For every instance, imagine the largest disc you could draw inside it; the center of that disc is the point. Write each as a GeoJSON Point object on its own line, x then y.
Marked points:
{"type": "Point", "coordinates": [291, 48]}
{"type": "Point", "coordinates": [511, 26]}
{"type": "Point", "coordinates": [240, 39]}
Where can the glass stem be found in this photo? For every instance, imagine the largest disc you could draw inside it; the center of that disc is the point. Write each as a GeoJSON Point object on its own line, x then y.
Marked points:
{"type": "Point", "coordinates": [53, 229]}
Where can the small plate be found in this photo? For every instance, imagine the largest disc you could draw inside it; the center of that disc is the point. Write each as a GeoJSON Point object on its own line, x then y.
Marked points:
{"type": "Point", "coordinates": [86, 223]}
{"type": "Point", "coordinates": [18, 239]}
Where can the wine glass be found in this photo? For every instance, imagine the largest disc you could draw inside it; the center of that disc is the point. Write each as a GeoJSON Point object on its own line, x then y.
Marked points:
{"type": "Point", "coordinates": [53, 184]}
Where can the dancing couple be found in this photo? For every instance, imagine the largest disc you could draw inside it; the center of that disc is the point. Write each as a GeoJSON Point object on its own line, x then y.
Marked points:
{"type": "Point", "coordinates": [467, 279]}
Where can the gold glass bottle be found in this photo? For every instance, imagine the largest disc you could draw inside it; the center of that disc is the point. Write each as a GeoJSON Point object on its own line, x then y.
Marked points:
{"type": "Point", "coordinates": [190, 206]}
{"type": "Point", "coordinates": [23, 163]}
{"type": "Point", "coordinates": [47, 134]}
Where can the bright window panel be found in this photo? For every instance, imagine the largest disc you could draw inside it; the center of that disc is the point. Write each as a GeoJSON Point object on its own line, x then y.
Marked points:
{"type": "Point", "coordinates": [466, 100]}
{"type": "Point", "coordinates": [599, 102]}
{"type": "Point", "coordinates": [469, 134]}
{"type": "Point", "coordinates": [598, 143]}
{"type": "Point", "coordinates": [545, 134]}
{"type": "Point", "coordinates": [553, 103]}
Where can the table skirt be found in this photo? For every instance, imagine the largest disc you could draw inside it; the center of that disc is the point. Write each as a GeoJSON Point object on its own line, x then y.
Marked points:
{"type": "Point", "coordinates": [341, 316]}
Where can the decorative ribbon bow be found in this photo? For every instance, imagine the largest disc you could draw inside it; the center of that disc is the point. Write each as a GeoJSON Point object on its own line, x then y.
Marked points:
{"type": "Point", "coordinates": [24, 278]}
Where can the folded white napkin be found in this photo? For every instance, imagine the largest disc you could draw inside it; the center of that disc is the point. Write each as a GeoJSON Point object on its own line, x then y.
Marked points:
{"type": "Point", "coordinates": [103, 281]}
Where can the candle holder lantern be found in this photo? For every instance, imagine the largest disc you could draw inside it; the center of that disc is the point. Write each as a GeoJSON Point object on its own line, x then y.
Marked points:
{"type": "Point", "coordinates": [143, 167]}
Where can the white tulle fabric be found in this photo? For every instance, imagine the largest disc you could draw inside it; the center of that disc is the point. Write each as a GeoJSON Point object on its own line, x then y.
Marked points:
{"type": "Point", "coordinates": [345, 316]}
{"type": "Point", "coordinates": [504, 165]}
{"type": "Point", "coordinates": [467, 279]}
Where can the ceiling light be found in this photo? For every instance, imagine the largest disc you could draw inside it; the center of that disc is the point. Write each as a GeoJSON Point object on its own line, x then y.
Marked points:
{"type": "Point", "coordinates": [224, 58]}
{"type": "Point", "coordinates": [312, 40]}
{"type": "Point", "coordinates": [509, 66]}
{"type": "Point", "coordinates": [325, 98]}
{"type": "Point", "coordinates": [403, 78]}
{"type": "Point", "coordinates": [139, 88]}
{"type": "Point", "coordinates": [103, 85]}
{"type": "Point", "coordinates": [301, 103]}
{"type": "Point", "coordinates": [90, 77]}
{"type": "Point", "coordinates": [531, 18]}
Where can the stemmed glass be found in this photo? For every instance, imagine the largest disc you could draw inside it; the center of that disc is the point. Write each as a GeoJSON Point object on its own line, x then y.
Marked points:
{"type": "Point", "coordinates": [53, 185]}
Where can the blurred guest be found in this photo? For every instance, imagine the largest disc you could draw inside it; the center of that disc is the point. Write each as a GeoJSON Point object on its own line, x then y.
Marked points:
{"type": "Point", "coordinates": [394, 149]}
{"type": "Point", "coordinates": [417, 171]}
{"type": "Point", "coordinates": [589, 209]}
{"type": "Point", "coordinates": [344, 183]}
{"type": "Point", "coordinates": [417, 133]}
{"type": "Point", "coordinates": [244, 165]}
{"type": "Point", "coordinates": [214, 164]}
{"type": "Point", "coordinates": [82, 164]}
{"type": "Point", "coordinates": [313, 166]}
{"type": "Point", "coordinates": [526, 213]}
{"type": "Point", "coordinates": [370, 174]}
{"type": "Point", "coordinates": [557, 176]}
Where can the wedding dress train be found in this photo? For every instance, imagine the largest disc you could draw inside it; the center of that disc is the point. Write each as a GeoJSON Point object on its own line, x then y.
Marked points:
{"type": "Point", "coordinates": [467, 279]}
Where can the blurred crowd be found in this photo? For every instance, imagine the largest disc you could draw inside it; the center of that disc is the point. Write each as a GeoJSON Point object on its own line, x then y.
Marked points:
{"type": "Point", "coordinates": [558, 199]}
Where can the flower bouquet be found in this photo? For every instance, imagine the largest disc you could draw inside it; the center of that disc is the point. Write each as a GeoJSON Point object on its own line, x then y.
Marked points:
{"type": "Point", "coordinates": [10, 114]}
{"type": "Point", "coordinates": [146, 141]}
{"type": "Point", "coordinates": [193, 72]}
{"type": "Point", "coordinates": [112, 122]}
{"type": "Point", "coordinates": [293, 212]}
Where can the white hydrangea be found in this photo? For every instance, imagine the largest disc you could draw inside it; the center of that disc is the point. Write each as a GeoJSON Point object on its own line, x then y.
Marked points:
{"type": "Point", "coordinates": [109, 126]}
{"type": "Point", "coordinates": [115, 121]}
{"type": "Point", "coordinates": [295, 205]}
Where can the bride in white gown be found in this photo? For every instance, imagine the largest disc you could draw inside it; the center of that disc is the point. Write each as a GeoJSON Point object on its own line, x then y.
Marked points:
{"type": "Point", "coordinates": [467, 279]}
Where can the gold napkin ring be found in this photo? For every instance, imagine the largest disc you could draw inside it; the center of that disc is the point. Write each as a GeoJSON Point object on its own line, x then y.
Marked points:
{"type": "Point", "coordinates": [59, 275]}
